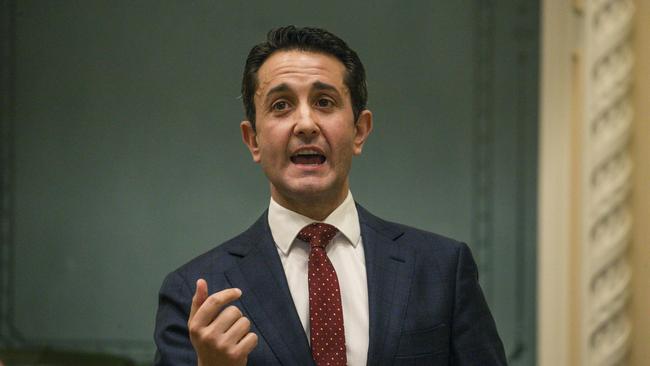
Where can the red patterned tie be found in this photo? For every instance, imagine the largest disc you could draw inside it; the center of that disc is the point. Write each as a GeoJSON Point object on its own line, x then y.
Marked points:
{"type": "Point", "coordinates": [325, 312]}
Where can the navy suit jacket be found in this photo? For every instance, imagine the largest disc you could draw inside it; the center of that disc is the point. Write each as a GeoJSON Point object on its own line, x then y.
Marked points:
{"type": "Point", "coordinates": [425, 303]}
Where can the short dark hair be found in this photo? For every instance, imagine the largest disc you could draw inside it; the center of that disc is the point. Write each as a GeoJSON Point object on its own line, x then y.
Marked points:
{"type": "Point", "coordinates": [304, 39]}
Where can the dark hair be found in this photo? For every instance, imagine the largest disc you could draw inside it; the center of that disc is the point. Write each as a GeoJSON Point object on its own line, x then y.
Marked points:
{"type": "Point", "coordinates": [305, 39]}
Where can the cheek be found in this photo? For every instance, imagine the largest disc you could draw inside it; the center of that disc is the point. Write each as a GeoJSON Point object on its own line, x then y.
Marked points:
{"type": "Point", "coordinates": [343, 154]}
{"type": "Point", "coordinates": [272, 151]}
{"type": "Point", "coordinates": [343, 142]}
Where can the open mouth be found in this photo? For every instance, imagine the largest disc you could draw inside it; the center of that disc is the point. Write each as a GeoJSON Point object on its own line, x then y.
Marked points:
{"type": "Point", "coordinates": [308, 157]}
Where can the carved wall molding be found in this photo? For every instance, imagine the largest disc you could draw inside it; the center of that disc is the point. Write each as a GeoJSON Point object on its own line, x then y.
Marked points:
{"type": "Point", "coordinates": [606, 219]}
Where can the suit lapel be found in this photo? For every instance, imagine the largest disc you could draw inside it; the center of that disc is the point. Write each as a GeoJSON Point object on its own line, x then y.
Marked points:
{"type": "Point", "coordinates": [266, 296]}
{"type": "Point", "coordinates": [389, 269]}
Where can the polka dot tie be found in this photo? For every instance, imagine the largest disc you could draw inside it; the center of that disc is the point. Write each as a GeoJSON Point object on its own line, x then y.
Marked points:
{"type": "Point", "coordinates": [325, 312]}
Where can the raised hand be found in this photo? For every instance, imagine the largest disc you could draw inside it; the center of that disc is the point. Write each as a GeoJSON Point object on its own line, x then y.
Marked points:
{"type": "Point", "coordinates": [220, 335]}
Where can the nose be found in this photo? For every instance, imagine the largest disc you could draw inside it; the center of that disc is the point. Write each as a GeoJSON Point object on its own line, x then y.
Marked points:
{"type": "Point", "coordinates": [306, 124]}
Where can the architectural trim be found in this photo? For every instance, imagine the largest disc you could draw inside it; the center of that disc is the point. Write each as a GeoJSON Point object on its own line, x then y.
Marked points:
{"type": "Point", "coordinates": [586, 120]}
{"type": "Point", "coordinates": [553, 244]}
{"type": "Point", "coordinates": [606, 180]}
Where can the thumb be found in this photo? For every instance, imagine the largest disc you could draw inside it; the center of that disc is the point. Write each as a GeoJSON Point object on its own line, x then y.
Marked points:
{"type": "Point", "coordinates": [200, 295]}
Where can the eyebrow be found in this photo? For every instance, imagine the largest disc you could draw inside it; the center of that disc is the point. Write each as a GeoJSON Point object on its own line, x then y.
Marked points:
{"type": "Point", "coordinates": [284, 87]}
{"type": "Point", "coordinates": [319, 85]}
{"type": "Point", "coordinates": [281, 88]}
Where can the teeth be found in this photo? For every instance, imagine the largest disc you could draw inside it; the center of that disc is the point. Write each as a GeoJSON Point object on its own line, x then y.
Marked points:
{"type": "Point", "coordinates": [308, 152]}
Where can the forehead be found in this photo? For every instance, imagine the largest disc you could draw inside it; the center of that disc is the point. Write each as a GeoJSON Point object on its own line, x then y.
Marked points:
{"type": "Point", "coordinates": [297, 67]}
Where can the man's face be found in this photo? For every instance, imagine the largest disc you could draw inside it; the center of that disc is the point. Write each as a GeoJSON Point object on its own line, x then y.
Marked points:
{"type": "Point", "coordinates": [305, 130]}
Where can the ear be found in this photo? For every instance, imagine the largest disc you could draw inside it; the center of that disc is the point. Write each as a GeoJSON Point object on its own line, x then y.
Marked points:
{"type": "Point", "coordinates": [249, 136]}
{"type": "Point", "coordinates": [363, 127]}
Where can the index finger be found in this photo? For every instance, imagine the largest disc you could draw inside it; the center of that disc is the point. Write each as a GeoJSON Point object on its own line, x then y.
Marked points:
{"type": "Point", "coordinates": [212, 306]}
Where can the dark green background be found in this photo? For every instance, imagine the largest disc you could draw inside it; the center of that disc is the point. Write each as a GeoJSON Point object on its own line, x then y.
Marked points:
{"type": "Point", "coordinates": [122, 150]}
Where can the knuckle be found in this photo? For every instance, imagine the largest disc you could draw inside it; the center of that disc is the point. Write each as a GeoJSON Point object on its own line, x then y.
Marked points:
{"type": "Point", "coordinates": [220, 344]}
{"type": "Point", "coordinates": [219, 298]}
{"type": "Point", "coordinates": [234, 310]}
{"type": "Point", "coordinates": [246, 322]}
{"type": "Point", "coordinates": [194, 330]}
{"type": "Point", "coordinates": [233, 354]}
{"type": "Point", "coordinates": [199, 337]}
{"type": "Point", "coordinates": [213, 300]}
{"type": "Point", "coordinates": [205, 337]}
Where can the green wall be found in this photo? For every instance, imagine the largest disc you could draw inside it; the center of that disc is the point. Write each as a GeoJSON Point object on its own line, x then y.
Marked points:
{"type": "Point", "coordinates": [122, 157]}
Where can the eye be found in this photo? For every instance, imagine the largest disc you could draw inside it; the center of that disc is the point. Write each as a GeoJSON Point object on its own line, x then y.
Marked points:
{"type": "Point", "coordinates": [324, 102]}
{"type": "Point", "coordinates": [280, 106]}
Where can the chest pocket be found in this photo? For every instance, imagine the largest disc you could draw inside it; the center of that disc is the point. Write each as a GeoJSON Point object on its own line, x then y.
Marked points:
{"type": "Point", "coordinates": [424, 343]}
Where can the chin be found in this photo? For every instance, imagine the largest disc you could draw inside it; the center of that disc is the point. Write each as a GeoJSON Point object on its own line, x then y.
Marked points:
{"type": "Point", "coordinates": [307, 190]}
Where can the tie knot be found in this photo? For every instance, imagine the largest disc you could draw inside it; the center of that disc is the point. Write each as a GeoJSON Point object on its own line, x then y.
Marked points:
{"type": "Point", "coordinates": [317, 234]}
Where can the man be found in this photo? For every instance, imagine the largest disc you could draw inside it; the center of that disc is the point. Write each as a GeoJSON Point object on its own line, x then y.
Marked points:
{"type": "Point", "coordinates": [318, 279]}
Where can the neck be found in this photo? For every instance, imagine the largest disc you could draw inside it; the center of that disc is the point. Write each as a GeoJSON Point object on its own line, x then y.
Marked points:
{"type": "Point", "coordinates": [316, 208]}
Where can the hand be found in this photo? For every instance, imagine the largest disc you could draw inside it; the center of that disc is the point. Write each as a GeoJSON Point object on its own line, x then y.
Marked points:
{"type": "Point", "coordinates": [220, 336]}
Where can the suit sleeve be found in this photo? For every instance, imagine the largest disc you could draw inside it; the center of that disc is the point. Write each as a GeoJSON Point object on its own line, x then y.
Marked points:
{"type": "Point", "coordinates": [171, 334]}
{"type": "Point", "coordinates": [475, 340]}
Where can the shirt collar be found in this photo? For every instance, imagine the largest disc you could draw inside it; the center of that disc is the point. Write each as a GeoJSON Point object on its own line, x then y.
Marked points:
{"type": "Point", "coordinates": [285, 224]}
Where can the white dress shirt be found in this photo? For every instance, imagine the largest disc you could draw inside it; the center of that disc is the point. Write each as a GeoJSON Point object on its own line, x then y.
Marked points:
{"type": "Point", "coordinates": [345, 251]}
